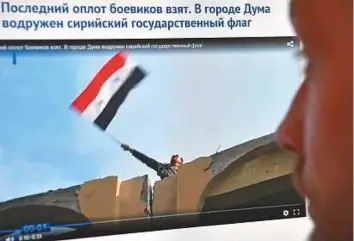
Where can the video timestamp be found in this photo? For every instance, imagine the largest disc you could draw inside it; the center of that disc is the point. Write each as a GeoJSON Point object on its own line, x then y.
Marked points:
{"type": "Point", "coordinates": [28, 237]}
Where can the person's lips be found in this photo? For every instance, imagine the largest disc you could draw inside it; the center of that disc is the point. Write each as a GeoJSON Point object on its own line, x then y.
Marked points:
{"type": "Point", "coordinates": [311, 210]}
{"type": "Point", "coordinates": [298, 175]}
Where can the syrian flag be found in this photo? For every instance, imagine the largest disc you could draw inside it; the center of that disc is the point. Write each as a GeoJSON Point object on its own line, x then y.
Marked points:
{"type": "Point", "coordinates": [101, 99]}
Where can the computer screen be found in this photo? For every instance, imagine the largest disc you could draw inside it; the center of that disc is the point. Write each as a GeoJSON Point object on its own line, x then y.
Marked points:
{"type": "Point", "coordinates": [103, 136]}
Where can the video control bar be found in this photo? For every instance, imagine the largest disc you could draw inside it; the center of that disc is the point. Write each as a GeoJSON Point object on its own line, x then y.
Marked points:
{"type": "Point", "coordinates": [105, 228]}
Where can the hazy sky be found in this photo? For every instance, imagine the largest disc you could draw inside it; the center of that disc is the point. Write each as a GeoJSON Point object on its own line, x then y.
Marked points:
{"type": "Point", "coordinates": [190, 103]}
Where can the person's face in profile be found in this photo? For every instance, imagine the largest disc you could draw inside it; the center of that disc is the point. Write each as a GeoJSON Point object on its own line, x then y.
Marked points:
{"type": "Point", "coordinates": [319, 123]}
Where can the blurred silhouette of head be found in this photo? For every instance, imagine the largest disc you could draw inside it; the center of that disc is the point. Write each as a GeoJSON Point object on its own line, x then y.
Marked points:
{"type": "Point", "coordinates": [319, 124]}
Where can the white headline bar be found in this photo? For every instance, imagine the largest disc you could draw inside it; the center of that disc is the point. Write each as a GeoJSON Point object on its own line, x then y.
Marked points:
{"type": "Point", "coordinates": [80, 19]}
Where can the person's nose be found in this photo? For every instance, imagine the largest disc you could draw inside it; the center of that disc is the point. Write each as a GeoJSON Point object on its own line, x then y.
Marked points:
{"type": "Point", "coordinates": [290, 134]}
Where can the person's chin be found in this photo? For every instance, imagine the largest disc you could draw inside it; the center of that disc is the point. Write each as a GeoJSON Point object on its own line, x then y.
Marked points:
{"type": "Point", "coordinates": [320, 235]}
{"type": "Point", "coordinates": [313, 236]}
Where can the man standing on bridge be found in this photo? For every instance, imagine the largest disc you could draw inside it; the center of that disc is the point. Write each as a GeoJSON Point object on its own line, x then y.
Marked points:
{"type": "Point", "coordinates": [163, 170]}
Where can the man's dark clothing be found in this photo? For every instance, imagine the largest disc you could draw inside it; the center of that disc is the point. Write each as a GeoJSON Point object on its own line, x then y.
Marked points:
{"type": "Point", "coordinates": [163, 170]}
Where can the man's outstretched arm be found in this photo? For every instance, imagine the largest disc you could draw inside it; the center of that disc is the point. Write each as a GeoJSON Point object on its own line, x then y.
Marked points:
{"type": "Point", "coordinates": [150, 162]}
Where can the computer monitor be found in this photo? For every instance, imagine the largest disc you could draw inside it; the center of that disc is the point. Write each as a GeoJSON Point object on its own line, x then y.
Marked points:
{"type": "Point", "coordinates": [104, 136]}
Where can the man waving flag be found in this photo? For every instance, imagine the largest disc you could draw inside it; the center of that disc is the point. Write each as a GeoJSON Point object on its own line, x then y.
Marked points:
{"type": "Point", "coordinates": [101, 99]}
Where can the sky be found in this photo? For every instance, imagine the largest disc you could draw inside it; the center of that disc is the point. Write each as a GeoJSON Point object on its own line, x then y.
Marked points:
{"type": "Point", "coordinates": [190, 103]}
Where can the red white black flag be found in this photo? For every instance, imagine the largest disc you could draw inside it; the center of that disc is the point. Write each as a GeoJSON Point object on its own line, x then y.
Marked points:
{"type": "Point", "coordinates": [102, 98]}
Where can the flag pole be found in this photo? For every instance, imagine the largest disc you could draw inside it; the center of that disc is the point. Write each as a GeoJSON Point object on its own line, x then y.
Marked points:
{"type": "Point", "coordinates": [115, 140]}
